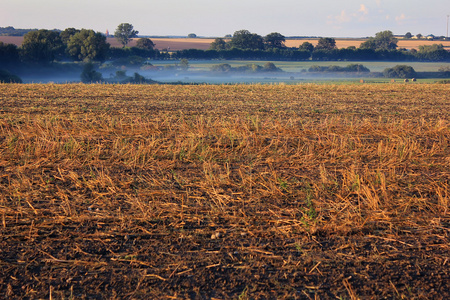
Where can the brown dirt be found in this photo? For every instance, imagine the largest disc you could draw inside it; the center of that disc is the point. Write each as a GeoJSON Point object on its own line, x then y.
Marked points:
{"type": "Point", "coordinates": [224, 192]}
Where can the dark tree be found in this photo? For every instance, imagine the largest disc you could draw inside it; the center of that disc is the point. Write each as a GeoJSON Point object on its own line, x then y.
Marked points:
{"type": "Point", "coordinates": [67, 34]}
{"type": "Point", "coordinates": [88, 45]}
{"type": "Point", "coordinates": [244, 39]}
{"type": "Point", "coordinates": [145, 43]}
{"type": "Point", "coordinates": [184, 64]}
{"type": "Point", "coordinates": [7, 77]}
{"type": "Point", "coordinates": [124, 33]}
{"type": "Point", "coordinates": [383, 40]}
{"type": "Point", "coordinates": [89, 74]}
{"type": "Point", "coordinates": [326, 44]}
{"type": "Point", "coordinates": [218, 44]}
{"type": "Point", "coordinates": [275, 40]}
{"type": "Point", "coordinates": [408, 35]}
{"type": "Point", "coordinates": [270, 67]}
{"type": "Point", "coordinates": [9, 54]}
{"type": "Point", "coordinates": [42, 46]}
{"type": "Point", "coordinates": [221, 68]}
{"type": "Point", "coordinates": [192, 35]}
{"type": "Point", "coordinates": [435, 52]}
{"type": "Point", "coordinates": [400, 71]}
{"type": "Point", "coordinates": [307, 46]}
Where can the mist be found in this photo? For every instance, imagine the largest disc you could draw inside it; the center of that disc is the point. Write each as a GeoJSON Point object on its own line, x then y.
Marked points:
{"type": "Point", "coordinates": [198, 72]}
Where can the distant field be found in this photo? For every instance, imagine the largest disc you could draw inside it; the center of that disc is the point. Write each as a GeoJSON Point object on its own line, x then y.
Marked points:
{"type": "Point", "coordinates": [175, 44]}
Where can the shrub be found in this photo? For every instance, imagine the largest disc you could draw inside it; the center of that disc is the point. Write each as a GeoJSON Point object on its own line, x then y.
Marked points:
{"type": "Point", "coordinates": [221, 68]}
{"type": "Point", "coordinates": [90, 75]}
{"type": "Point", "coordinates": [349, 68]}
{"type": "Point", "coordinates": [357, 68]}
{"type": "Point", "coordinates": [400, 71]}
{"type": "Point", "coordinates": [6, 77]}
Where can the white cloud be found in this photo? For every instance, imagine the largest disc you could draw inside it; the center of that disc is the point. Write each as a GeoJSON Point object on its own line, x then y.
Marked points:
{"type": "Point", "coordinates": [400, 18]}
{"type": "Point", "coordinates": [343, 17]}
{"type": "Point", "coordinates": [363, 9]}
{"type": "Point", "coordinates": [378, 2]}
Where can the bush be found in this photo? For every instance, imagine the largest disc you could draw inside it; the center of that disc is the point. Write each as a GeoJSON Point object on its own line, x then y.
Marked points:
{"type": "Point", "coordinates": [357, 68]}
{"type": "Point", "coordinates": [270, 67]}
{"type": "Point", "coordinates": [89, 74]}
{"type": "Point", "coordinates": [400, 71]}
{"type": "Point", "coordinates": [221, 68]}
{"type": "Point", "coordinates": [6, 77]}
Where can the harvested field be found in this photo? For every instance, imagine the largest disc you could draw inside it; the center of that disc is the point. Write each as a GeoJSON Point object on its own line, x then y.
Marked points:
{"type": "Point", "coordinates": [175, 44]}
{"type": "Point", "coordinates": [224, 192]}
{"type": "Point", "coordinates": [344, 43]}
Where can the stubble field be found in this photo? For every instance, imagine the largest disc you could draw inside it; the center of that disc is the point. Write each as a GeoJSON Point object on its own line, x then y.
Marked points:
{"type": "Point", "coordinates": [224, 192]}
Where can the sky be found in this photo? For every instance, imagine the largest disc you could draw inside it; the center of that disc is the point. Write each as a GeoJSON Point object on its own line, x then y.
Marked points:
{"type": "Point", "coordinates": [216, 18]}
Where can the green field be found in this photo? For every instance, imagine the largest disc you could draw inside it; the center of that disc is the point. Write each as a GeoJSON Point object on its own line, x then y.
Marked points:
{"type": "Point", "coordinates": [294, 72]}
{"type": "Point", "coordinates": [299, 66]}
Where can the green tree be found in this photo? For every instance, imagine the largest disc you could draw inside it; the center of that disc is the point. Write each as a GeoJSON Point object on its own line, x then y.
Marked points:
{"type": "Point", "coordinates": [356, 68]}
{"type": "Point", "coordinates": [270, 67]}
{"type": "Point", "coordinates": [9, 54]}
{"type": "Point", "coordinates": [408, 35]}
{"type": "Point", "coordinates": [222, 68]}
{"type": "Point", "coordinates": [275, 40]}
{"type": "Point", "coordinates": [326, 44]}
{"type": "Point", "coordinates": [384, 40]}
{"type": "Point", "coordinates": [244, 39]}
{"type": "Point", "coordinates": [145, 43]}
{"type": "Point", "coordinates": [89, 74]}
{"type": "Point", "coordinates": [435, 52]}
{"type": "Point", "coordinates": [192, 35]}
{"type": "Point", "coordinates": [67, 34]}
{"type": "Point", "coordinates": [184, 64]}
{"type": "Point", "coordinates": [400, 71]}
{"type": "Point", "coordinates": [124, 33]}
{"type": "Point", "coordinates": [88, 45]}
{"type": "Point", "coordinates": [7, 77]}
{"type": "Point", "coordinates": [42, 46]}
{"type": "Point", "coordinates": [307, 46]}
{"type": "Point", "coordinates": [218, 44]}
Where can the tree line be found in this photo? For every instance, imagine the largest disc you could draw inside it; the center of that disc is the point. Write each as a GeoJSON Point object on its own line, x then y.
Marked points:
{"type": "Point", "coordinates": [46, 46]}
{"type": "Point", "coordinates": [246, 45]}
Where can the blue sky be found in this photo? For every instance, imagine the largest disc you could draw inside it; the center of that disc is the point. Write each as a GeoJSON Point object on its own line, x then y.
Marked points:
{"type": "Point", "coordinates": [331, 18]}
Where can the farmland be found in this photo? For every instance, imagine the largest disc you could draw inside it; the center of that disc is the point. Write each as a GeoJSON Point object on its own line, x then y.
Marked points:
{"type": "Point", "coordinates": [175, 44]}
{"type": "Point", "coordinates": [224, 192]}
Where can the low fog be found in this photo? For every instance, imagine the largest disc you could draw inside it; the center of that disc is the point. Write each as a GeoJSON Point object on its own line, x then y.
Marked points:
{"type": "Point", "coordinates": [167, 73]}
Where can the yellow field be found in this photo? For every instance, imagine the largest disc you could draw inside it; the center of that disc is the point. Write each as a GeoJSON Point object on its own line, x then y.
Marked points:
{"type": "Point", "coordinates": [198, 43]}
{"type": "Point", "coordinates": [175, 44]}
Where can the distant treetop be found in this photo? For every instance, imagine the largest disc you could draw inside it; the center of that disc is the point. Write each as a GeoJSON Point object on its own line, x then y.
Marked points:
{"type": "Point", "coordinates": [124, 33]}
{"type": "Point", "coordinates": [11, 31]}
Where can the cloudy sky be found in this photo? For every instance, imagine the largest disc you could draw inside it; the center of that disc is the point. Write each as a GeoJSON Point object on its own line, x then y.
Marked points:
{"type": "Point", "coordinates": [331, 18]}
